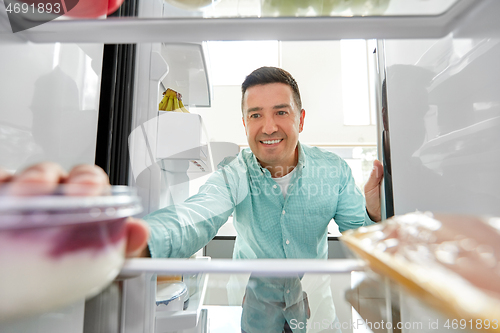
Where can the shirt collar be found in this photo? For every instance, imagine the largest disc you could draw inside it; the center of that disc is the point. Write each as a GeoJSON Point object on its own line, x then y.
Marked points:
{"type": "Point", "coordinates": [257, 170]}
{"type": "Point", "coordinates": [302, 157]}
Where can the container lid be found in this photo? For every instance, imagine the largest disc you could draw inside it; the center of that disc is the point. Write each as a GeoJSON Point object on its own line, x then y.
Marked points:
{"type": "Point", "coordinates": [169, 293]}
{"type": "Point", "coordinates": [57, 209]}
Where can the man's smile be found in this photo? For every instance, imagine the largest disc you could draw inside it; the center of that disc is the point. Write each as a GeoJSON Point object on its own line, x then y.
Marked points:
{"type": "Point", "coordinates": [271, 142]}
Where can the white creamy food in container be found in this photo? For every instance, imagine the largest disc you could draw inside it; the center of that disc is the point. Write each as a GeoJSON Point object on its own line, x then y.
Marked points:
{"type": "Point", "coordinates": [58, 249]}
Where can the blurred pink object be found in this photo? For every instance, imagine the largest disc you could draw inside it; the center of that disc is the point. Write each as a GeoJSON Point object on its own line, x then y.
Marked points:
{"type": "Point", "coordinates": [91, 8]}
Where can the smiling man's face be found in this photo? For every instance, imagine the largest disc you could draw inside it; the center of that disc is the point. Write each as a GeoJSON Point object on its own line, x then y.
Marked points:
{"type": "Point", "coordinates": [272, 123]}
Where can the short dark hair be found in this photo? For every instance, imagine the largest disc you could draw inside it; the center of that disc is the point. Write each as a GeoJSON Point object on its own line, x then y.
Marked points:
{"type": "Point", "coordinates": [266, 75]}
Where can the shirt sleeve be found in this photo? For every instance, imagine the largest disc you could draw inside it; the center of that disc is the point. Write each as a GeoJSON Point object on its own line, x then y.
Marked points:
{"type": "Point", "coordinates": [179, 231]}
{"type": "Point", "coordinates": [351, 211]}
{"type": "Point", "coordinates": [368, 220]}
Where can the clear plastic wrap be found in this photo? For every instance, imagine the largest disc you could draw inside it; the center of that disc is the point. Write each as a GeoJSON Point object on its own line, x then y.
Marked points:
{"type": "Point", "coordinates": [448, 261]}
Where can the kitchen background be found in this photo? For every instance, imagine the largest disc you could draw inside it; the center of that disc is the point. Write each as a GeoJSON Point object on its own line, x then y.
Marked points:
{"type": "Point", "coordinates": [334, 81]}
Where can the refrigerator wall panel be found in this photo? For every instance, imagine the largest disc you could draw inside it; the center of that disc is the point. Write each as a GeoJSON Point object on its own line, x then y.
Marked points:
{"type": "Point", "coordinates": [50, 101]}
{"type": "Point", "coordinates": [444, 120]}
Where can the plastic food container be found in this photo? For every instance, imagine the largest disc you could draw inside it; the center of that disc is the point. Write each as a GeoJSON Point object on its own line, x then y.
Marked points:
{"type": "Point", "coordinates": [58, 249]}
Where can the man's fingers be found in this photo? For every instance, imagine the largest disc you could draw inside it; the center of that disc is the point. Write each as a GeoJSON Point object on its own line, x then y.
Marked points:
{"type": "Point", "coordinates": [372, 191]}
{"type": "Point", "coordinates": [377, 164]}
{"type": "Point", "coordinates": [86, 180]}
{"type": "Point", "coordinates": [42, 178]}
{"type": "Point", "coordinates": [375, 177]}
{"type": "Point", "coordinates": [137, 237]}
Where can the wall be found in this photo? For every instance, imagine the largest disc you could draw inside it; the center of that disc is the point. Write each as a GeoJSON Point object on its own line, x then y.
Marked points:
{"type": "Point", "coordinates": [316, 67]}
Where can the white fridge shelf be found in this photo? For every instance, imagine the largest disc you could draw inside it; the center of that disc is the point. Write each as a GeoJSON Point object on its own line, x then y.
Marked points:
{"type": "Point", "coordinates": [464, 14]}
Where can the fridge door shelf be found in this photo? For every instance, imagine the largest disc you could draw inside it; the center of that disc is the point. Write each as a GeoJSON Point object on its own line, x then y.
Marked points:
{"type": "Point", "coordinates": [188, 72]}
{"type": "Point", "coordinates": [180, 147]}
{"type": "Point", "coordinates": [171, 321]}
{"type": "Point", "coordinates": [198, 163]}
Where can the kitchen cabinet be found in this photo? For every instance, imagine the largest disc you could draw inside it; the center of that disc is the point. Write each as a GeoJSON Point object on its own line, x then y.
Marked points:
{"type": "Point", "coordinates": [222, 247]}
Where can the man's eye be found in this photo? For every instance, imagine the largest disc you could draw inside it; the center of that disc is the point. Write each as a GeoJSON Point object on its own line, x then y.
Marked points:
{"type": "Point", "coordinates": [254, 115]}
{"type": "Point", "coordinates": [282, 113]}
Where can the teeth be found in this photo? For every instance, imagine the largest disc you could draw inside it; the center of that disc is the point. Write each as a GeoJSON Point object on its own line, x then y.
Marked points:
{"type": "Point", "coordinates": [270, 142]}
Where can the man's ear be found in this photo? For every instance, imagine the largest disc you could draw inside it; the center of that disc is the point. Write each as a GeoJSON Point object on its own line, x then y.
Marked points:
{"type": "Point", "coordinates": [244, 125]}
{"type": "Point", "coordinates": [301, 123]}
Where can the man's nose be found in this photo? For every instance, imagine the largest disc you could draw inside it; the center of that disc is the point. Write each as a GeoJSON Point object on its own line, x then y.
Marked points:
{"type": "Point", "coordinates": [270, 126]}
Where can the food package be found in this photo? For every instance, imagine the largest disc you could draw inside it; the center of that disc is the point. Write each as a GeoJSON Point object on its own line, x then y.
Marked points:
{"type": "Point", "coordinates": [450, 262]}
{"type": "Point", "coordinates": [323, 7]}
{"type": "Point", "coordinates": [190, 4]}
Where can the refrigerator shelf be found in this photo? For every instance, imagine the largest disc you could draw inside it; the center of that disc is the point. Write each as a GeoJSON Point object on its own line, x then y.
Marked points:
{"type": "Point", "coordinates": [194, 29]}
{"type": "Point", "coordinates": [258, 267]}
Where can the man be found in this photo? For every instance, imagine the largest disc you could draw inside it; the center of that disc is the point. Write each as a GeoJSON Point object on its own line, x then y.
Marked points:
{"type": "Point", "coordinates": [282, 196]}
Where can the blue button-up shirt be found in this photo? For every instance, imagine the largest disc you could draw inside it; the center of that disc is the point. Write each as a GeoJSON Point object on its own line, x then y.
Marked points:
{"type": "Point", "coordinates": [267, 224]}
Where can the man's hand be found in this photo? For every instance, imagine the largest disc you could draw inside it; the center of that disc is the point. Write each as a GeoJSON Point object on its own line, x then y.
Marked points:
{"type": "Point", "coordinates": [372, 192]}
{"type": "Point", "coordinates": [43, 178]}
{"type": "Point", "coordinates": [137, 238]}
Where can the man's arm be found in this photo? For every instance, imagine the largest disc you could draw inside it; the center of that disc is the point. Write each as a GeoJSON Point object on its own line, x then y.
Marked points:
{"type": "Point", "coordinates": [372, 192]}
{"type": "Point", "coordinates": [353, 209]}
{"type": "Point", "coordinates": [180, 230]}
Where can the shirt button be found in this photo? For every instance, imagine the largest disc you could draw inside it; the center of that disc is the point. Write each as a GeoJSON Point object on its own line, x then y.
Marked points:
{"type": "Point", "coordinates": [275, 186]}
{"type": "Point", "coordinates": [287, 242]}
{"type": "Point", "coordinates": [283, 212]}
{"type": "Point", "coordinates": [288, 291]}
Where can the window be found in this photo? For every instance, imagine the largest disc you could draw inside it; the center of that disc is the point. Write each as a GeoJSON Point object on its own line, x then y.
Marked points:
{"type": "Point", "coordinates": [357, 96]}
{"type": "Point", "coordinates": [231, 62]}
